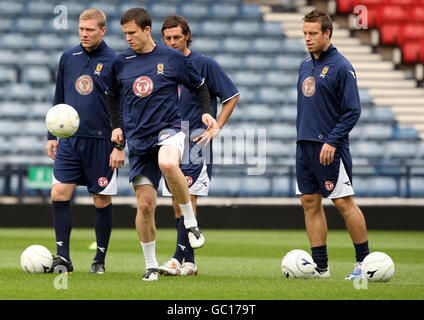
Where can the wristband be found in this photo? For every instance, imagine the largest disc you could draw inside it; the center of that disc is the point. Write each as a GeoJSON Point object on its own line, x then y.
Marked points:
{"type": "Point", "coordinates": [119, 146]}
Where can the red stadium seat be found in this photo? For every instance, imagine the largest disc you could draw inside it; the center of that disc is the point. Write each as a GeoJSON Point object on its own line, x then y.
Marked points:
{"type": "Point", "coordinates": [416, 14]}
{"type": "Point", "coordinates": [392, 14]}
{"type": "Point", "coordinates": [422, 51]}
{"type": "Point", "coordinates": [344, 6]}
{"type": "Point", "coordinates": [369, 3]}
{"type": "Point", "coordinates": [389, 33]}
{"type": "Point", "coordinates": [402, 2]}
{"type": "Point", "coordinates": [410, 32]}
{"type": "Point", "coordinates": [411, 52]}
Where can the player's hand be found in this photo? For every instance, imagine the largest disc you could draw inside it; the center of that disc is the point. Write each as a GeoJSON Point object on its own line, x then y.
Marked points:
{"type": "Point", "coordinates": [326, 157]}
{"type": "Point", "coordinates": [207, 136]}
{"type": "Point", "coordinates": [51, 148]}
{"type": "Point", "coordinates": [117, 136]}
{"type": "Point", "coordinates": [117, 158]}
{"type": "Point", "coordinates": [211, 131]}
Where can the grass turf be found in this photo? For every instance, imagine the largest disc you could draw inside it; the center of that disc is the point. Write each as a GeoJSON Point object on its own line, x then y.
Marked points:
{"type": "Point", "coordinates": [233, 265]}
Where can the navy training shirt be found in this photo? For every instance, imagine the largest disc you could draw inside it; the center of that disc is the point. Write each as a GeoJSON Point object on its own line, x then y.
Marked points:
{"type": "Point", "coordinates": [147, 86]}
{"type": "Point", "coordinates": [219, 85]}
{"type": "Point", "coordinates": [81, 82]}
{"type": "Point", "coordinates": [328, 104]}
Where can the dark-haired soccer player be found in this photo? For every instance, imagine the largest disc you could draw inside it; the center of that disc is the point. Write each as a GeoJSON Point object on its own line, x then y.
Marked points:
{"type": "Point", "coordinates": [144, 83]}
{"type": "Point", "coordinates": [84, 158]}
{"type": "Point", "coordinates": [328, 107]}
{"type": "Point", "coordinates": [196, 168]}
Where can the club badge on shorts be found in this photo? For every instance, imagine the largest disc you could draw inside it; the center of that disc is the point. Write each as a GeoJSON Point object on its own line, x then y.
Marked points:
{"type": "Point", "coordinates": [189, 180]}
{"type": "Point", "coordinates": [329, 185]}
{"type": "Point", "coordinates": [143, 86]}
{"type": "Point", "coordinates": [103, 182]}
{"type": "Point", "coordinates": [84, 85]}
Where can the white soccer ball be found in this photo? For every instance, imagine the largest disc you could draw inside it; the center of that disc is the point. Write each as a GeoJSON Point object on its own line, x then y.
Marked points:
{"type": "Point", "coordinates": [62, 120]}
{"type": "Point", "coordinates": [36, 259]}
{"type": "Point", "coordinates": [297, 264]}
{"type": "Point", "coordinates": [378, 267]}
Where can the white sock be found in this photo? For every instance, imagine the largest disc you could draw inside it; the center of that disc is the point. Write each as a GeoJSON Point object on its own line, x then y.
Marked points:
{"type": "Point", "coordinates": [149, 250]}
{"type": "Point", "coordinates": [188, 213]}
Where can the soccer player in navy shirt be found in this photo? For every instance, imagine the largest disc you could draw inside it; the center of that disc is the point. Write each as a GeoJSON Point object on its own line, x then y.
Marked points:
{"type": "Point", "coordinates": [143, 93]}
{"type": "Point", "coordinates": [84, 158]}
{"type": "Point", "coordinates": [328, 107]}
{"type": "Point", "coordinates": [196, 168]}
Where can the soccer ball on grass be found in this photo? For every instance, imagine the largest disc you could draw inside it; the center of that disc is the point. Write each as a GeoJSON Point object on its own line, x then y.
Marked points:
{"type": "Point", "coordinates": [36, 259]}
{"type": "Point", "coordinates": [378, 267]}
{"type": "Point", "coordinates": [297, 264]}
{"type": "Point", "coordinates": [62, 120]}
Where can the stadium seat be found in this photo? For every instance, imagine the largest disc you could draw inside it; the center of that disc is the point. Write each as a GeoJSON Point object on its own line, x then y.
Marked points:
{"type": "Point", "coordinates": [377, 131]}
{"type": "Point", "coordinates": [287, 62]}
{"type": "Point", "coordinates": [416, 186]}
{"type": "Point", "coordinates": [225, 186]}
{"type": "Point", "coordinates": [277, 148]}
{"type": "Point", "coordinates": [284, 131]}
{"type": "Point", "coordinates": [37, 75]}
{"type": "Point", "coordinates": [20, 92]}
{"type": "Point", "coordinates": [405, 133]}
{"type": "Point", "coordinates": [46, 42]}
{"type": "Point", "coordinates": [344, 6]}
{"type": "Point", "coordinates": [16, 41]}
{"type": "Point", "coordinates": [242, 28]}
{"type": "Point", "coordinates": [271, 95]}
{"type": "Point", "coordinates": [272, 28]}
{"type": "Point", "coordinates": [257, 62]}
{"type": "Point", "coordinates": [8, 75]}
{"type": "Point", "coordinates": [35, 128]}
{"type": "Point", "coordinates": [13, 110]}
{"type": "Point", "coordinates": [255, 186]}
{"type": "Point", "coordinates": [39, 9]}
{"type": "Point", "coordinates": [287, 114]}
{"type": "Point", "coordinates": [194, 11]}
{"type": "Point", "coordinates": [411, 52]}
{"type": "Point", "coordinates": [9, 128]}
{"type": "Point", "coordinates": [383, 187]}
{"type": "Point", "coordinates": [236, 45]}
{"type": "Point", "coordinates": [400, 149]}
{"type": "Point", "coordinates": [411, 32]}
{"type": "Point", "coordinates": [267, 46]}
{"type": "Point", "coordinates": [29, 25]}
{"type": "Point", "coordinates": [159, 11]}
{"type": "Point", "coordinates": [215, 28]}
{"type": "Point", "coordinates": [416, 14]}
{"type": "Point", "coordinates": [280, 79]}
{"type": "Point", "coordinates": [34, 58]}
{"type": "Point", "coordinates": [392, 14]}
{"type": "Point", "coordinates": [261, 113]}
{"type": "Point", "coordinates": [382, 114]}
{"type": "Point", "coordinates": [206, 45]}
{"type": "Point", "coordinates": [6, 25]}
{"type": "Point", "coordinates": [281, 187]}
{"type": "Point", "coordinates": [39, 110]}
{"type": "Point", "coordinates": [250, 11]}
{"type": "Point", "coordinates": [247, 78]}
{"type": "Point", "coordinates": [294, 46]}
{"type": "Point", "coordinates": [224, 11]}
{"type": "Point", "coordinates": [390, 33]}
{"type": "Point", "coordinates": [367, 149]}
{"type": "Point", "coordinates": [28, 145]}
{"type": "Point", "coordinates": [10, 9]}
{"type": "Point", "coordinates": [246, 95]}
{"type": "Point", "coordinates": [229, 62]}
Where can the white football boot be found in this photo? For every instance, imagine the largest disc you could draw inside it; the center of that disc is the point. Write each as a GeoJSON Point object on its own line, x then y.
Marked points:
{"type": "Point", "coordinates": [188, 269]}
{"type": "Point", "coordinates": [321, 273]}
{"type": "Point", "coordinates": [171, 268]}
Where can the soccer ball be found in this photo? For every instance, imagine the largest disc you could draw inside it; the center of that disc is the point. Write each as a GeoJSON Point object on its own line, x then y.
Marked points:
{"type": "Point", "coordinates": [36, 259]}
{"type": "Point", "coordinates": [297, 264]}
{"type": "Point", "coordinates": [62, 120]}
{"type": "Point", "coordinates": [378, 267]}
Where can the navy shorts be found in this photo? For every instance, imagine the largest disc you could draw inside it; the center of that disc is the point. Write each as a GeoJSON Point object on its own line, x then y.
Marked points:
{"type": "Point", "coordinates": [332, 181]}
{"type": "Point", "coordinates": [85, 161]}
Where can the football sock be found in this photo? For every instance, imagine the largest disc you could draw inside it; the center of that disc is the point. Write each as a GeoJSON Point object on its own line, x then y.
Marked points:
{"type": "Point", "coordinates": [188, 213]}
{"type": "Point", "coordinates": [361, 250]}
{"type": "Point", "coordinates": [62, 220]}
{"type": "Point", "coordinates": [179, 253]}
{"type": "Point", "coordinates": [103, 228]}
{"type": "Point", "coordinates": [183, 244]}
{"type": "Point", "coordinates": [319, 255]}
{"type": "Point", "coordinates": [149, 250]}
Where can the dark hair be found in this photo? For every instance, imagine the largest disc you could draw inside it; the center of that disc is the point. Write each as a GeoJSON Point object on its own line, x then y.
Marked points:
{"type": "Point", "coordinates": [173, 21]}
{"type": "Point", "coordinates": [321, 17]}
{"type": "Point", "coordinates": [139, 15]}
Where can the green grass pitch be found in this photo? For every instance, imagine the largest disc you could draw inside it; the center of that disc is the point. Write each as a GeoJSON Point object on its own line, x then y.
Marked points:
{"type": "Point", "coordinates": [233, 265]}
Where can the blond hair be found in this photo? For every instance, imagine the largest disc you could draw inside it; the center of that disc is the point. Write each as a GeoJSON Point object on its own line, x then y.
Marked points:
{"type": "Point", "coordinates": [94, 14]}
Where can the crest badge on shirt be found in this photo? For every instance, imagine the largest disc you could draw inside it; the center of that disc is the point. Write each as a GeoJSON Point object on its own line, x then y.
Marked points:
{"type": "Point", "coordinates": [160, 68]}
{"type": "Point", "coordinates": [308, 86]}
{"type": "Point", "coordinates": [98, 69]}
{"type": "Point", "coordinates": [324, 72]}
{"type": "Point", "coordinates": [84, 85]}
{"type": "Point", "coordinates": [143, 86]}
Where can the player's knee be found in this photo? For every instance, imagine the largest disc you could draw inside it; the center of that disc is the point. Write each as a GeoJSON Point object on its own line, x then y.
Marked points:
{"type": "Point", "coordinates": [146, 208]}
{"type": "Point", "coordinates": [101, 201]}
{"type": "Point", "coordinates": [310, 201]}
{"type": "Point", "coordinates": [60, 194]}
{"type": "Point", "coordinates": [168, 167]}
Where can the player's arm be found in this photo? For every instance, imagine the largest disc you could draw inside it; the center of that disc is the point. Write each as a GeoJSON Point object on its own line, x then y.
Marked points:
{"type": "Point", "coordinates": [226, 111]}
{"type": "Point", "coordinates": [212, 127]}
{"type": "Point", "coordinates": [113, 108]}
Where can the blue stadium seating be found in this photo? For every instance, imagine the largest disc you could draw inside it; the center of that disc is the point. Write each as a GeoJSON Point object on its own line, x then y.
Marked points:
{"type": "Point", "coordinates": [256, 54]}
